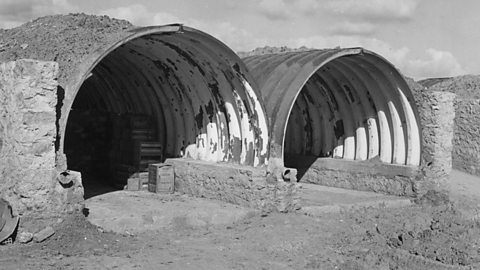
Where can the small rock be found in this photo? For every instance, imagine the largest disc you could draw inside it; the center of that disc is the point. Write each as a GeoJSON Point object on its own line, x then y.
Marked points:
{"type": "Point", "coordinates": [24, 46]}
{"type": "Point", "coordinates": [43, 234]}
{"type": "Point", "coordinates": [25, 237]}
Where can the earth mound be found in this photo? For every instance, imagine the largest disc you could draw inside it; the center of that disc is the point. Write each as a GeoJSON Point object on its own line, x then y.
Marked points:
{"type": "Point", "coordinates": [271, 50]}
{"type": "Point", "coordinates": [61, 38]}
{"type": "Point", "coordinates": [467, 86]}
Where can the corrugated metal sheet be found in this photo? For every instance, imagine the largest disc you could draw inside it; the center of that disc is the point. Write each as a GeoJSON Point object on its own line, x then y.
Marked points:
{"type": "Point", "coordinates": [342, 103]}
{"type": "Point", "coordinates": [204, 103]}
{"type": "Point", "coordinates": [194, 87]}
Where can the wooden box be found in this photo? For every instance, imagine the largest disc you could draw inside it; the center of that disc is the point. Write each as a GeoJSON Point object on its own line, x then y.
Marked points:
{"type": "Point", "coordinates": [161, 178]}
{"type": "Point", "coordinates": [133, 184]}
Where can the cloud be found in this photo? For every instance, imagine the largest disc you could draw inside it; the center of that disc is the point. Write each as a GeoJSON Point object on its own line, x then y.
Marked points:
{"type": "Point", "coordinates": [345, 17]}
{"type": "Point", "coordinates": [374, 10]}
{"type": "Point", "coordinates": [139, 15]}
{"type": "Point", "coordinates": [432, 63]}
{"type": "Point", "coordinates": [436, 64]}
{"type": "Point", "coordinates": [349, 28]}
{"type": "Point", "coordinates": [236, 38]}
{"type": "Point", "coordinates": [288, 9]}
{"type": "Point", "coordinates": [305, 7]}
{"type": "Point", "coordinates": [274, 9]}
{"type": "Point", "coordinates": [16, 12]}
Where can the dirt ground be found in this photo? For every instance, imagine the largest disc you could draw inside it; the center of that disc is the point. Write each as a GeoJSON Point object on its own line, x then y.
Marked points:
{"type": "Point", "coordinates": [428, 235]}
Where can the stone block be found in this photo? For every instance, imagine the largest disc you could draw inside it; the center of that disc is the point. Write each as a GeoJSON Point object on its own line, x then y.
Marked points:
{"type": "Point", "coordinates": [43, 234]}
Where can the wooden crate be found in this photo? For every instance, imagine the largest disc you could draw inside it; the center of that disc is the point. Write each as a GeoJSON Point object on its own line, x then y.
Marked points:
{"type": "Point", "coordinates": [146, 153]}
{"type": "Point", "coordinates": [138, 181]}
{"type": "Point", "coordinates": [161, 178]}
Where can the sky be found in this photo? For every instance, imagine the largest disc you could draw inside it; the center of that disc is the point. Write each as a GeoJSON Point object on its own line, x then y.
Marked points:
{"type": "Point", "coordinates": [422, 38]}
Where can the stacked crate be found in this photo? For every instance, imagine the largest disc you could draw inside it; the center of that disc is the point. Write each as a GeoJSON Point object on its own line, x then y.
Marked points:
{"type": "Point", "coordinates": [146, 153]}
{"type": "Point", "coordinates": [133, 147]}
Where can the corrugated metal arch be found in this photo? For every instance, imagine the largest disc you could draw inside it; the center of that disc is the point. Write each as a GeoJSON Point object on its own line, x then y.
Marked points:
{"type": "Point", "coordinates": [204, 92]}
{"type": "Point", "coordinates": [343, 103]}
{"type": "Point", "coordinates": [204, 103]}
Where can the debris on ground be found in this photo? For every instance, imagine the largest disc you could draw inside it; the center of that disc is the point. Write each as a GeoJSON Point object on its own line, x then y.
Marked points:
{"type": "Point", "coordinates": [25, 237]}
{"type": "Point", "coordinates": [43, 234]}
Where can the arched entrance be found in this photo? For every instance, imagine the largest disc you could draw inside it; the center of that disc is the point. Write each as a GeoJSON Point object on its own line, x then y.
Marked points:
{"type": "Point", "coordinates": [164, 92]}
{"type": "Point", "coordinates": [346, 104]}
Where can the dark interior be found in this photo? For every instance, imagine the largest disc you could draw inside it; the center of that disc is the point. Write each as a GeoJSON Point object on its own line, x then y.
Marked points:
{"type": "Point", "coordinates": [157, 97]}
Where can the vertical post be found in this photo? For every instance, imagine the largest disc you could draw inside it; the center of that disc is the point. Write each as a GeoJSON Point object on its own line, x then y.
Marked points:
{"type": "Point", "coordinates": [437, 114]}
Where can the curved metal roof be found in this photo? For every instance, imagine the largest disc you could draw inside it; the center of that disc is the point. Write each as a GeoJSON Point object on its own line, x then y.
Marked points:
{"type": "Point", "coordinates": [346, 103]}
{"type": "Point", "coordinates": [203, 100]}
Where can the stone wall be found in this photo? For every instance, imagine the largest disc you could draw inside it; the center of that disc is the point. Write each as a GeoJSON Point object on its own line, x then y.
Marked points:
{"type": "Point", "coordinates": [242, 185]}
{"type": "Point", "coordinates": [466, 142]}
{"type": "Point", "coordinates": [437, 113]}
{"type": "Point", "coordinates": [369, 175]}
{"type": "Point", "coordinates": [28, 97]}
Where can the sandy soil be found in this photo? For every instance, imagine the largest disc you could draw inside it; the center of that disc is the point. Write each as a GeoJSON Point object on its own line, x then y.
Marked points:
{"type": "Point", "coordinates": [433, 235]}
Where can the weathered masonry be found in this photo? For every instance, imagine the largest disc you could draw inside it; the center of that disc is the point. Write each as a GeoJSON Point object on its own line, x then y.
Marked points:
{"type": "Point", "coordinates": [466, 141]}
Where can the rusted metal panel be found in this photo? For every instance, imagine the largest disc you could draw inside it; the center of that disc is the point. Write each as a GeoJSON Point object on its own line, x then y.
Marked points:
{"type": "Point", "coordinates": [346, 103]}
{"type": "Point", "coordinates": [204, 103]}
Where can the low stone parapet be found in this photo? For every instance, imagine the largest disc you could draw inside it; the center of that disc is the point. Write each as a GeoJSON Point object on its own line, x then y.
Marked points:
{"type": "Point", "coordinates": [371, 175]}
{"type": "Point", "coordinates": [241, 185]}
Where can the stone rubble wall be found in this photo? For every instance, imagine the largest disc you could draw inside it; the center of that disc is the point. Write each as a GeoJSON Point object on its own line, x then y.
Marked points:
{"type": "Point", "coordinates": [437, 113]}
{"type": "Point", "coordinates": [28, 97]}
{"type": "Point", "coordinates": [369, 175]}
{"type": "Point", "coordinates": [241, 185]}
{"type": "Point", "coordinates": [466, 141]}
